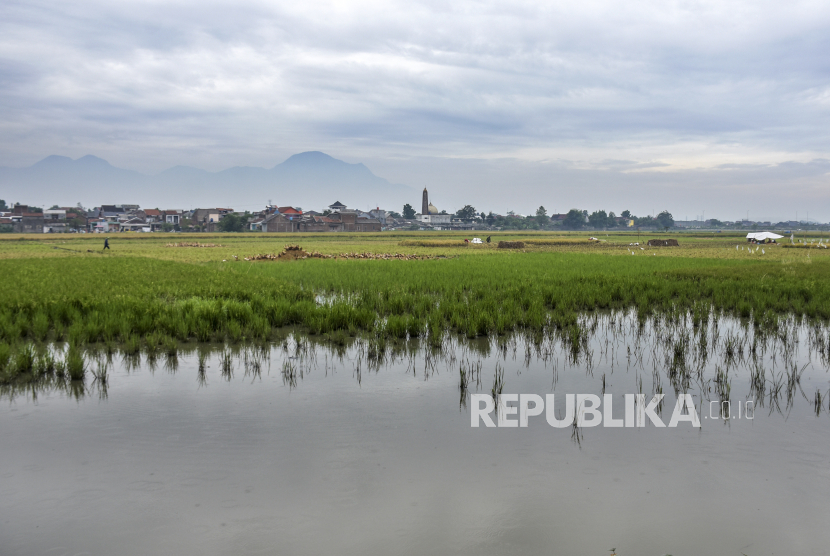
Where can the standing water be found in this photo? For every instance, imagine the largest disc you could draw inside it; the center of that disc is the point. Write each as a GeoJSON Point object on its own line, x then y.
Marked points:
{"type": "Point", "coordinates": [367, 448]}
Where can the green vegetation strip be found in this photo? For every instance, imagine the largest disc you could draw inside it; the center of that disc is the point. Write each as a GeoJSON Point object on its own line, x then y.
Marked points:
{"type": "Point", "coordinates": [83, 300]}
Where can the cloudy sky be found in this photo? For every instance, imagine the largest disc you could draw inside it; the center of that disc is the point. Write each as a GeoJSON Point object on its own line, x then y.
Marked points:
{"type": "Point", "coordinates": [690, 106]}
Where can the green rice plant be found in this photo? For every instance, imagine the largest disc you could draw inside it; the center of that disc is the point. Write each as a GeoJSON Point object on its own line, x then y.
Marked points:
{"type": "Point", "coordinates": [8, 329]}
{"type": "Point", "coordinates": [77, 334]}
{"type": "Point", "coordinates": [132, 345]}
{"type": "Point", "coordinates": [234, 331]}
{"type": "Point", "coordinates": [40, 326]}
{"type": "Point", "coordinates": [396, 326]}
{"type": "Point", "coordinates": [170, 346]}
{"type": "Point", "coordinates": [60, 369]}
{"type": "Point", "coordinates": [45, 363]}
{"type": "Point", "coordinates": [479, 292]}
{"type": "Point", "coordinates": [154, 341]}
{"type": "Point", "coordinates": [5, 356]}
{"type": "Point", "coordinates": [25, 359]}
{"type": "Point", "coordinates": [75, 365]}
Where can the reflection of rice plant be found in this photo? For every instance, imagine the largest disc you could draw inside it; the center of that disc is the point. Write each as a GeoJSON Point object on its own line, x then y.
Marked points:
{"type": "Point", "coordinates": [498, 384]}
{"type": "Point", "coordinates": [226, 364]}
{"type": "Point", "coordinates": [775, 388]}
{"type": "Point", "coordinates": [289, 374]}
{"type": "Point", "coordinates": [202, 370]}
{"type": "Point", "coordinates": [576, 431]}
{"type": "Point", "coordinates": [723, 384]}
{"type": "Point", "coordinates": [818, 402]}
{"type": "Point", "coordinates": [100, 375]}
{"type": "Point", "coordinates": [463, 381]}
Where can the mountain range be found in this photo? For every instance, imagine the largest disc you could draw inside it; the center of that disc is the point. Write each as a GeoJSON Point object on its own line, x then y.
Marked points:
{"type": "Point", "coordinates": [311, 180]}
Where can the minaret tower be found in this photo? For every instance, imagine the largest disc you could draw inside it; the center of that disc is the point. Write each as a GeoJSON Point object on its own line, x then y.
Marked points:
{"type": "Point", "coordinates": [425, 203]}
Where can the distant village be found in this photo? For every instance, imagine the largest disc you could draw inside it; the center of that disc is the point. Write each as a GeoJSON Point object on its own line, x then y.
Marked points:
{"type": "Point", "coordinates": [338, 217]}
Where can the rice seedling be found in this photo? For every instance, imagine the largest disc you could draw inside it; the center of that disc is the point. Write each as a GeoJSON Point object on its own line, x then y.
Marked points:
{"type": "Point", "coordinates": [24, 360]}
{"type": "Point", "coordinates": [75, 365]}
{"type": "Point", "coordinates": [5, 356]}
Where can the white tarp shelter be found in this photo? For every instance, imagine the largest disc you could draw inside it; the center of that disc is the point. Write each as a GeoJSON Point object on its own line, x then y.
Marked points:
{"type": "Point", "coordinates": [758, 236]}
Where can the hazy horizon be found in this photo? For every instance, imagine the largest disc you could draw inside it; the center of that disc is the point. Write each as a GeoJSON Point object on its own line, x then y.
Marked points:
{"type": "Point", "coordinates": [694, 107]}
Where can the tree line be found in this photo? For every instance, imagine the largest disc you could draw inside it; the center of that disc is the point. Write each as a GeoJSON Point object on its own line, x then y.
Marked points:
{"type": "Point", "coordinates": [575, 219]}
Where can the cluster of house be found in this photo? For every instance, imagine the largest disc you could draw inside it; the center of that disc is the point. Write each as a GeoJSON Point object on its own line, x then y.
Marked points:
{"type": "Point", "coordinates": [106, 218]}
{"type": "Point", "coordinates": [132, 218]}
{"type": "Point", "coordinates": [338, 218]}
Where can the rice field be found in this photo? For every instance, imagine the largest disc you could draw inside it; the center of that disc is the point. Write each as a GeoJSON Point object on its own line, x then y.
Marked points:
{"type": "Point", "coordinates": [154, 293]}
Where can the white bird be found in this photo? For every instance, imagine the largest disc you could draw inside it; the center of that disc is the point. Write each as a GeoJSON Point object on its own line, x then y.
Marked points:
{"type": "Point", "coordinates": [641, 249]}
{"type": "Point", "coordinates": [763, 252]}
{"type": "Point", "coordinates": [736, 247]}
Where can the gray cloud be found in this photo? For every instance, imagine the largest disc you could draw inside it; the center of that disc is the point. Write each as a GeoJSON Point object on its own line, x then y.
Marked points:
{"type": "Point", "coordinates": [697, 92]}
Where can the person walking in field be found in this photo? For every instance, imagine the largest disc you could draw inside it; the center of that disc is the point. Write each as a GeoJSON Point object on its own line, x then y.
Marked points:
{"type": "Point", "coordinates": [106, 243]}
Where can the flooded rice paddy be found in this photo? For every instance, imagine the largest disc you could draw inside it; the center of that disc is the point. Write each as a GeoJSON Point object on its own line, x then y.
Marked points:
{"type": "Point", "coordinates": [365, 446]}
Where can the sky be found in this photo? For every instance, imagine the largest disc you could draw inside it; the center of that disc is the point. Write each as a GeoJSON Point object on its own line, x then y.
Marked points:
{"type": "Point", "coordinates": [701, 108]}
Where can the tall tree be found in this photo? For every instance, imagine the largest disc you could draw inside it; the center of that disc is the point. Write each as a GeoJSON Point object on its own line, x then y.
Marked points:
{"type": "Point", "coordinates": [666, 220]}
{"type": "Point", "coordinates": [626, 214]}
{"type": "Point", "coordinates": [408, 211]}
{"type": "Point", "coordinates": [574, 220]}
{"type": "Point", "coordinates": [3, 206]}
{"type": "Point", "coordinates": [598, 219]}
{"type": "Point", "coordinates": [231, 223]}
{"type": "Point", "coordinates": [467, 213]}
{"type": "Point", "coordinates": [541, 216]}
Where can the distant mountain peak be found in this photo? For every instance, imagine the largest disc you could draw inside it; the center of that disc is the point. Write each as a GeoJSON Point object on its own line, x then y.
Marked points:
{"type": "Point", "coordinates": [304, 179]}
{"type": "Point", "coordinates": [311, 156]}
{"type": "Point", "coordinates": [53, 160]}
{"type": "Point", "coordinates": [92, 160]}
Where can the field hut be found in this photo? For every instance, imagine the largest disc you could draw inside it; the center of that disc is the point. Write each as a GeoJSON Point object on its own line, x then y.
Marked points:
{"type": "Point", "coordinates": [663, 243]}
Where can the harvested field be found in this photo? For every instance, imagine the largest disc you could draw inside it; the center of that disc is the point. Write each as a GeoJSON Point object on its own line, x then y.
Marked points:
{"type": "Point", "coordinates": [191, 244]}
{"type": "Point", "coordinates": [560, 241]}
{"type": "Point", "coordinates": [432, 243]}
{"type": "Point", "coordinates": [511, 245]}
{"type": "Point", "coordinates": [295, 252]}
{"type": "Point", "coordinates": [663, 243]}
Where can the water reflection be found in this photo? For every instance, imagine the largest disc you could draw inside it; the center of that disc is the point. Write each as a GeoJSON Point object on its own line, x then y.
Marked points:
{"type": "Point", "coordinates": [361, 446]}
{"type": "Point", "coordinates": [715, 358]}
